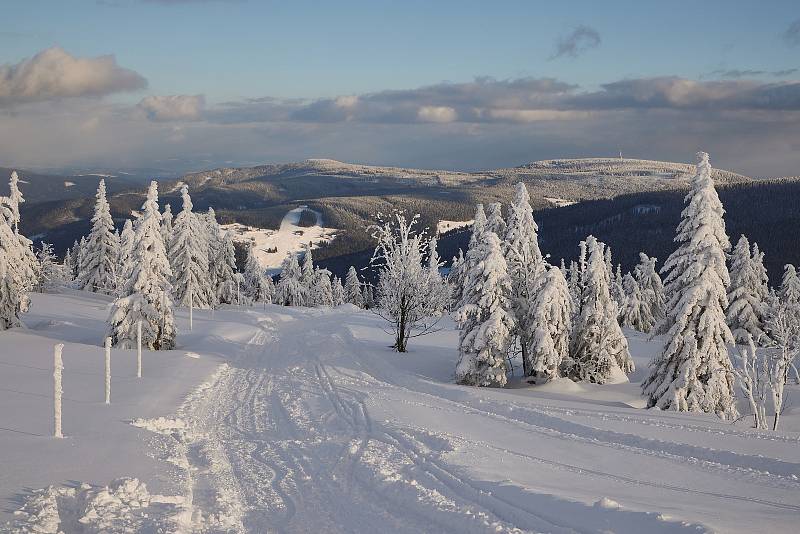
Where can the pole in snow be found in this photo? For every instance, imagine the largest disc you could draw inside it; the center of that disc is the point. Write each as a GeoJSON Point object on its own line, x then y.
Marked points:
{"type": "Point", "coordinates": [191, 305]}
{"type": "Point", "coordinates": [139, 349]}
{"type": "Point", "coordinates": [58, 365]}
{"type": "Point", "coordinates": [238, 302]}
{"type": "Point", "coordinates": [108, 370]}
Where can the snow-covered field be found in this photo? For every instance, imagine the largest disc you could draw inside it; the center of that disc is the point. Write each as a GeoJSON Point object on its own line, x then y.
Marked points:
{"type": "Point", "coordinates": [445, 226]}
{"type": "Point", "coordinates": [290, 237]}
{"type": "Point", "coordinates": [303, 420]}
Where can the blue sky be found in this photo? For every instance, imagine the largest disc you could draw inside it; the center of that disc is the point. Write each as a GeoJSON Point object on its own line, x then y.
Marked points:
{"type": "Point", "coordinates": [298, 53]}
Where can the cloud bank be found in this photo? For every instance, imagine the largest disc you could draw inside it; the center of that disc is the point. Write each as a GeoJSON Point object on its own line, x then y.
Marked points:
{"type": "Point", "coordinates": [173, 107]}
{"type": "Point", "coordinates": [54, 73]}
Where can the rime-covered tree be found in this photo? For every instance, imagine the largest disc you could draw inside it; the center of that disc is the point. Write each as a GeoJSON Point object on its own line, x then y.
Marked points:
{"type": "Point", "coordinates": [598, 350]}
{"type": "Point", "coordinates": [68, 266]}
{"type": "Point", "coordinates": [258, 285]}
{"type": "Point", "coordinates": [320, 292]}
{"type": "Point", "coordinates": [694, 371]}
{"type": "Point", "coordinates": [438, 288]}
{"type": "Point", "coordinates": [124, 256]}
{"type": "Point", "coordinates": [652, 292]}
{"type": "Point", "coordinates": [485, 320]}
{"type": "Point", "coordinates": [525, 268]}
{"type": "Point", "coordinates": [403, 281]}
{"type": "Point", "coordinates": [188, 248]}
{"type": "Point", "coordinates": [146, 296]}
{"type": "Point", "coordinates": [352, 288]}
{"type": "Point", "coordinates": [494, 219]}
{"type": "Point", "coordinates": [289, 291]}
{"type": "Point", "coordinates": [368, 293]}
{"type": "Point", "coordinates": [307, 270]}
{"type": "Point", "coordinates": [97, 270]}
{"type": "Point", "coordinates": [337, 291]}
{"type": "Point", "coordinates": [551, 313]}
{"type": "Point", "coordinates": [637, 313]}
{"type": "Point", "coordinates": [213, 237]}
{"type": "Point", "coordinates": [455, 278]}
{"type": "Point", "coordinates": [12, 272]}
{"type": "Point", "coordinates": [790, 285]}
{"type": "Point", "coordinates": [167, 224]}
{"type": "Point", "coordinates": [746, 309]}
{"type": "Point", "coordinates": [51, 274]}
{"type": "Point", "coordinates": [225, 270]}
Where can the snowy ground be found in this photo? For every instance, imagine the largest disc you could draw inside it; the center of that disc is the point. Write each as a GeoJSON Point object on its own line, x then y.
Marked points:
{"type": "Point", "coordinates": [305, 421]}
{"type": "Point", "coordinates": [288, 238]}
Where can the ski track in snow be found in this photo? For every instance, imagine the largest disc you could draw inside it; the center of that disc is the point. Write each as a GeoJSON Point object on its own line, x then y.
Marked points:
{"type": "Point", "coordinates": [308, 429]}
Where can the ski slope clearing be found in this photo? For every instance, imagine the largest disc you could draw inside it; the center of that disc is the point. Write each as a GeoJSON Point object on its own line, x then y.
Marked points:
{"type": "Point", "coordinates": [272, 246]}
{"type": "Point", "coordinates": [305, 421]}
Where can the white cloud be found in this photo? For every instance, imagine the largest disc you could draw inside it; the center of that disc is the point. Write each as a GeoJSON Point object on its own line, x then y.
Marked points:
{"type": "Point", "coordinates": [173, 107]}
{"type": "Point", "coordinates": [54, 73]}
{"type": "Point", "coordinates": [437, 114]}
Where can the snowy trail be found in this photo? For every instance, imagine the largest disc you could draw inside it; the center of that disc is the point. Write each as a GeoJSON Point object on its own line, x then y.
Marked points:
{"type": "Point", "coordinates": [315, 429]}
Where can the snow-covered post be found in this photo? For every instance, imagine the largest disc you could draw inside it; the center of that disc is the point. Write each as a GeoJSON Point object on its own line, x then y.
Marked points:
{"type": "Point", "coordinates": [108, 370]}
{"type": "Point", "coordinates": [58, 365]}
{"type": "Point", "coordinates": [139, 349]}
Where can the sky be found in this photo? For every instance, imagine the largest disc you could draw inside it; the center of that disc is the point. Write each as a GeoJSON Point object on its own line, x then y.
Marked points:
{"type": "Point", "coordinates": [194, 84]}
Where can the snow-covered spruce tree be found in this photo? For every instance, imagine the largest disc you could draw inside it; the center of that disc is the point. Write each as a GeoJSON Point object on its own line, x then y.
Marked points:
{"type": "Point", "coordinates": [745, 313]}
{"type": "Point", "coordinates": [166, 227]}
{"type": "Point", "coordinates": [320, 292]}
{"type": "Point", "coordinates": [484, 318]}
{"type": "Point", "coordinates": [189, 258]}
{"type": "Point", "coordinates": [147, 293]}
{"type": "Point", "coordinates": [573, 282]}
{"type": "Point", "coordinates": [51, 274]}
{"type": "Point", "coordinates": [438, 288]}
{"type": "Point", "coordinates": [352, 288]}
{"type": "Point", "coordinates": [494, 219]}
{"type": "Point", "coordinates": [694, 371]}
{"type": "Point", "coordinates": [402, 298]}
{"type": "Point", "coordinates": [307, 270]}
{"type": "Point", "coordinates": [762, 291]}
{"type": "Point", "coordinates": [551, 311]}
{"type": "Point", "coordinates": [124, 257]}
{"type": "Point", "coordinates": [455, 278]}
{"type": "Point", "coordinates": [213, 238]}
{"type": "Point", "coordinates": [28, 266]}
{"type": "Point", "coordinates": [11, 269]}
{"type": "Point", "coordinates": [525, 268]}
{"type": "Point", "coordinates": [652, 291]}
{"type": "Point", "coordinates": [97, 271]}
{"type": "Point", "coordinates": [258, 285]}
{"type": "Point", "coordinates": [790, 285]}
{"type": "Point", "coordinates": [289, 291]}
{"type": "Point", "coordinates": [599, 350]}
{"type": "Point", "coordinates": [224, 270]}
{"type": "Point", "coordinates": [68, 265]}
{"type": "Point", "coordinates": [637, 313]}
{"type": "Point", "coordinates": [368, 292]}
{"type": "Point", "coordinates": [337, 291]}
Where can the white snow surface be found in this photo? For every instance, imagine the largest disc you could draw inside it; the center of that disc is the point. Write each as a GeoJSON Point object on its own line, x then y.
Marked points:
{"type": "Point", "coordinates": [445, 226]}
{"type": "Point", "coordinates": [290, 237]}
{"type": "Point", "coordinates": [303, 420]}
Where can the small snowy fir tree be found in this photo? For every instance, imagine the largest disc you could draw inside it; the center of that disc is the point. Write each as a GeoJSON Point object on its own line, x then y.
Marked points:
{"type": "Point", "coordinates": [189, 258]}
{"type": "Point", "coordinates": [494, 219]}
{"type": "Point", "coordinates": [225, 270]}
{"type": "Point", "coordinates": [51, 274]}
{"type": "Point", "coordinates": [166, 227]}
{"type": "Point", "coordinates": [97, 271]}
{"type": "Point", "coordinates": [124, 257]}
{"type": "Point", "coordinates": [551, 313]}
{"type": "Point", "coordinates": [525, 267]}
{"type": "Point", "coordinates": [455, 278]}
{"type": "Point", "coordinates": [402, 298]}
{"type": "Point", "coordinates": [307, 271]}
{"type": "Point", "coordinates": [652, 292]}
{"type": "Point", "coordinates": [438, 288]}
{"type": "Point", "coordinates": [337, 291]}
{"type": "Point", "coordinates": [352, 288]}
{"type": "Point", "coordinates": [258, 285]}
{"type": "Point", "coordinates": [746, 309]}
{"type": "Point", "coordinates": [289, 291]}
{"type": "Point", "coordinates": [637, 313]}
{"type": "Point", "coordinates": [69, 265]}
{"type": "Point", "coordinates": [599, 350]}
{"type": "Point", "coordinates": [368, 294]}
{"type": "Point", "coordinates": [484, 319]}
{"type": "Point", "coordinates": [213, 237]}
{"type": "Point", "coordinates": [321, 292]}
{"type": "Point", "coordinates": [11, 287]}
{"type": "Point", "coordinates": [694, 371]}
{"type": "Point", "coordinates": [790, 285]}
{"type": "Point", "coordinates": [147, 293]}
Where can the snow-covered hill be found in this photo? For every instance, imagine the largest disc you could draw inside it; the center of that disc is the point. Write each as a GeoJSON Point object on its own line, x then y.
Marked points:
{"type": "Point", "coordinates": [303, 420]}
